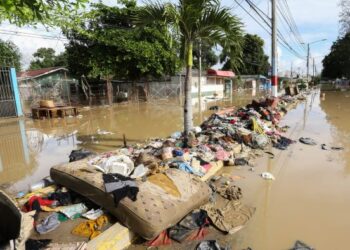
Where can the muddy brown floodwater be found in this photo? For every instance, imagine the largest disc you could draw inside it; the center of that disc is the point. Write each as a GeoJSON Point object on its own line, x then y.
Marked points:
{"type": "Point", "coordinates": [310, 198]}
{"type": "Point", "coordinates": [308, 201]}
{"type": "Point", "coordinates": [28, 148]}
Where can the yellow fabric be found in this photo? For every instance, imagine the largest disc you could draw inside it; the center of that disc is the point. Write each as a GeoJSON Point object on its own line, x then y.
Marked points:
{"type": "Point", "coordinates": [164, 182]}
{"type": "Point", "coordinates": [49, 209]}
{"type": "Point", "coordinates": [101, 221]}
{"type": "Point", "coordinates": [256, 127]}
{"type": "Point", "coordinates": [90, 228]}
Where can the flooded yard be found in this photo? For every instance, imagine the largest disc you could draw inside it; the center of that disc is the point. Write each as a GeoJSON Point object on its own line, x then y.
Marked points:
{"type": "Point", "coordinates": [308, 201]}
{"type": "Point", "coordinates": [28, 148]}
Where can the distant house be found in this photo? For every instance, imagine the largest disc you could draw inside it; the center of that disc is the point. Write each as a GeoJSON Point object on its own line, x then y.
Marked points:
{"type": "Point", "coordinates": [213, 82]}
{"type": "Point", "coordinates": [45, 83]}
{"type": "Point", "coordinates": [250, 81]}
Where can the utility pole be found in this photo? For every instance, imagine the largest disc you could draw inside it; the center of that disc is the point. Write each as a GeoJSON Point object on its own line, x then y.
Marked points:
{"type": "Point", "coordinates": [307, 62]}
{"type": "Point", "coordinates": [308, 56]}
{"type": "Point", "coordinates": [274, 77]}
{"type": "Point", "coordinates": [199, 70]}
{"type": "Point", "coordinates": [313, 68]}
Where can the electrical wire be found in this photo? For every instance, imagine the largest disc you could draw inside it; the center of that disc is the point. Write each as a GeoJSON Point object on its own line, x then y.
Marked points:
{"type": "Point", "coordinates": [282, 41]}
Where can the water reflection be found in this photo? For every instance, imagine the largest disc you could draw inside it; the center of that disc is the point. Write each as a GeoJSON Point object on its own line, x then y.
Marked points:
{"type": "Point", "coordinates": [28, 148]}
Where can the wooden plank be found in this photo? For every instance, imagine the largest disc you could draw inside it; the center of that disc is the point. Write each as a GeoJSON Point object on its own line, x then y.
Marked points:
{"type": "Point", "coordinates": [116, 237]}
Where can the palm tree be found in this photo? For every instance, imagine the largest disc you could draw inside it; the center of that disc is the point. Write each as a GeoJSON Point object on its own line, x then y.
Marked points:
{"type": "Point", "coordinates": [195, 20]}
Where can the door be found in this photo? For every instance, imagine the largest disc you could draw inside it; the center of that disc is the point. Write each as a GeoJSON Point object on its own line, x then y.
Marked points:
{"type": "Point", "coordinates": [7, 97]}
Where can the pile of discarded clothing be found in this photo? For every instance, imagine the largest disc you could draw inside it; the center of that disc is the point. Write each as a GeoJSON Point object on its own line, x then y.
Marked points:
{"type": "Point", "coordinates": [53, 205]}
{"type": "Point", "coordinates": [157, 189]}
{"type": "Point", "coordinates": [227, 136]}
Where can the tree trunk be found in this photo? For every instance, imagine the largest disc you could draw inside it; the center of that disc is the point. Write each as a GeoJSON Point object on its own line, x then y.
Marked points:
{"type": "Point", "coordinates": [109, 91]}
{"type": "Point", "coordinates": [188, 115]}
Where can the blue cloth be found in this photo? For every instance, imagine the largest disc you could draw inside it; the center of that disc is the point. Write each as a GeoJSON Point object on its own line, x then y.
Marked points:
{"type": "Point", "coordinates": [187, 168]}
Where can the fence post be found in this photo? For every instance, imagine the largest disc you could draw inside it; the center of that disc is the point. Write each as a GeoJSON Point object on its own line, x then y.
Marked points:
{"type": "Point", "coordinates": [15, 88]}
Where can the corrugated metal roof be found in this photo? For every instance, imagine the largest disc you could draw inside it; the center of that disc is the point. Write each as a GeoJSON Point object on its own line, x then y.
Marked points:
{"type": "Point", "coordinates": [222, 73]}
{"type": "Point", "coordinates": [38, 72]}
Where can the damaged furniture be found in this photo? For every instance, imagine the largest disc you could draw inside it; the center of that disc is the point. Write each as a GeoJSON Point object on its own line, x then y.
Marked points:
{"type": "Point", "coordinates": [157, 206]}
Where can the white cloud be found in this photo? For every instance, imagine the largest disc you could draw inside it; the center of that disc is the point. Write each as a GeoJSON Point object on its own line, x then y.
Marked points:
{"type": "Point", "coordinates": [315, 19]}
{"type": "Point", "coordinates": [29, 40]}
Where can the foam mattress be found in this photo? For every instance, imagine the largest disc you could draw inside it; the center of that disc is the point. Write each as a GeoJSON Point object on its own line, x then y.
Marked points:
{"type": "Point", "coordinates": [154, 210]}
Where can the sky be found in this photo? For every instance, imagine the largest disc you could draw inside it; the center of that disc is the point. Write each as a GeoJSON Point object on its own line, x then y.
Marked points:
{"type": "Point", "coordinates": [315, 19]}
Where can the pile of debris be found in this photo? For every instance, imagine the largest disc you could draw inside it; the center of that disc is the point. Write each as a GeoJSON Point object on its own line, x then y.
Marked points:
{"type": "Point", "coordinates": [230, 137]}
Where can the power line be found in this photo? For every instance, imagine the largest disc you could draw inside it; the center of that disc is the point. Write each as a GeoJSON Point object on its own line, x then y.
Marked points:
{"type": "Point", "coordinates": [292, 21]}
{"type": "Point", "coordinates": [26, 34]}
{"type": "Point", "coordinates": [261, 14]}
{"type": "Point", "coordinates": [291, 29]}
{"type": "Point", "coordinates": [282, 41]}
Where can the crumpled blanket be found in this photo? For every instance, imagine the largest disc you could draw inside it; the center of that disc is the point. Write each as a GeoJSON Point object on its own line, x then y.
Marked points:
{"type": "Point", "coordinates": [187, 226]}
{"type": "Point", "coordinates": [49, 224]}
{"type": "Point", "coordinates": [228, 215]}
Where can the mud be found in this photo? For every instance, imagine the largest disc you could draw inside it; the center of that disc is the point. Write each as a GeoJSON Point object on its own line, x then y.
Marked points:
{"type": "Point", "coordinates": [308, 201]}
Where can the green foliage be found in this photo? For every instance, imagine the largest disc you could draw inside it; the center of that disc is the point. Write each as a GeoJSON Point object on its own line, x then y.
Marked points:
{"type": "Point", "coordinates": [196, 20]}
{"type": "Point", "coordinates": [254, 61]}
{"type": "Point", "coordinates": [108, 44]}
{"type": "Point", "coordinates": [193, 21]}
{"type": "Point", "coordinates": [45, 58]}
{"type": "Point", "coordinates": [344, 16]}
{"type": "Point", "coordinates": [10, 55]}
{"type": "Point", "coordinates": [209, 58]}
{"type": "Point", "coordinates": [21, 12]}
{"type": "Point", "coordinates": [337, 63]}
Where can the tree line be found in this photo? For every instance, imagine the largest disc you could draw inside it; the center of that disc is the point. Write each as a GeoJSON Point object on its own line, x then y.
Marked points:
{"type": "Point", "coordinates": [134, 42]}
{"type": "Point", "coordinates": [337, 63]}
{"type": "Point", "coordinates": [102, 44]}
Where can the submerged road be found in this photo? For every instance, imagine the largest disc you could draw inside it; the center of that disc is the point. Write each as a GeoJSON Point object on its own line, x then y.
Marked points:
{"type": "Point", "coordinates": [309, 200]}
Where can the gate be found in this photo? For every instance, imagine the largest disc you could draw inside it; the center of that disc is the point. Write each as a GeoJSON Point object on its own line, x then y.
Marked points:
{"type": "Point", "coordinates": [7, 95]}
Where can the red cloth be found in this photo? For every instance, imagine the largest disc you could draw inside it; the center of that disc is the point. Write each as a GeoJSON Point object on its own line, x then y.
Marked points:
{"type": "Point", "coordinates": [198, 234]}
{"type": "Point", "coordinates": [161, 240]}
{"type": "Point", "coordinates": [35, 202]}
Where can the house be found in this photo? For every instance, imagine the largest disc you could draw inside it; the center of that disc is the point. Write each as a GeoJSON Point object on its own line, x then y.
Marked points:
{"type": "Point", "coordinates": [250, 81]}
{"type": "Point", "coordinates": [46, 83]}
{"type": "Point", "coordinates": [213, 82]}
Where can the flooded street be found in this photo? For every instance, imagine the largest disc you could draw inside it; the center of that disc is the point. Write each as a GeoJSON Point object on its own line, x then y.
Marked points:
{"type": "Point", "coordinates": [28, 148]}
{"type": "Point", "coordinates": [308, 201]}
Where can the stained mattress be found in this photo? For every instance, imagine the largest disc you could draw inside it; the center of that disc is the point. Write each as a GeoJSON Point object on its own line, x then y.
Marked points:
{"type": "Point", "coordinates": [154, 210]}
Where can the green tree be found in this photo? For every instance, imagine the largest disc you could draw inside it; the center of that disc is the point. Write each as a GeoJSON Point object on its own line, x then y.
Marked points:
{"type": "Point", "coordinates": [209, 58]}
{"type": "Point", "coordinates": [337, 63]}
{"type": "Point", "coordinates": [344, 16]}
{"type": "Point", "coordinates": [21, 12]}
{"type": "Point", "coordinates": [109, 45]}
{"type": "Point", "coordinates": [10, 55]}
{"type": "Point", "coordinates": [45, 58]}
{"type": "Point", "coordinates": [195, 20]}
{"type": "Point", "coordinates": [254, 61]}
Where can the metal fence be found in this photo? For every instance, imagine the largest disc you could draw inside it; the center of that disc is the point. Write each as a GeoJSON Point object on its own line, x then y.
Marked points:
{"type": "Point", "coordinates": [7, 97]}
